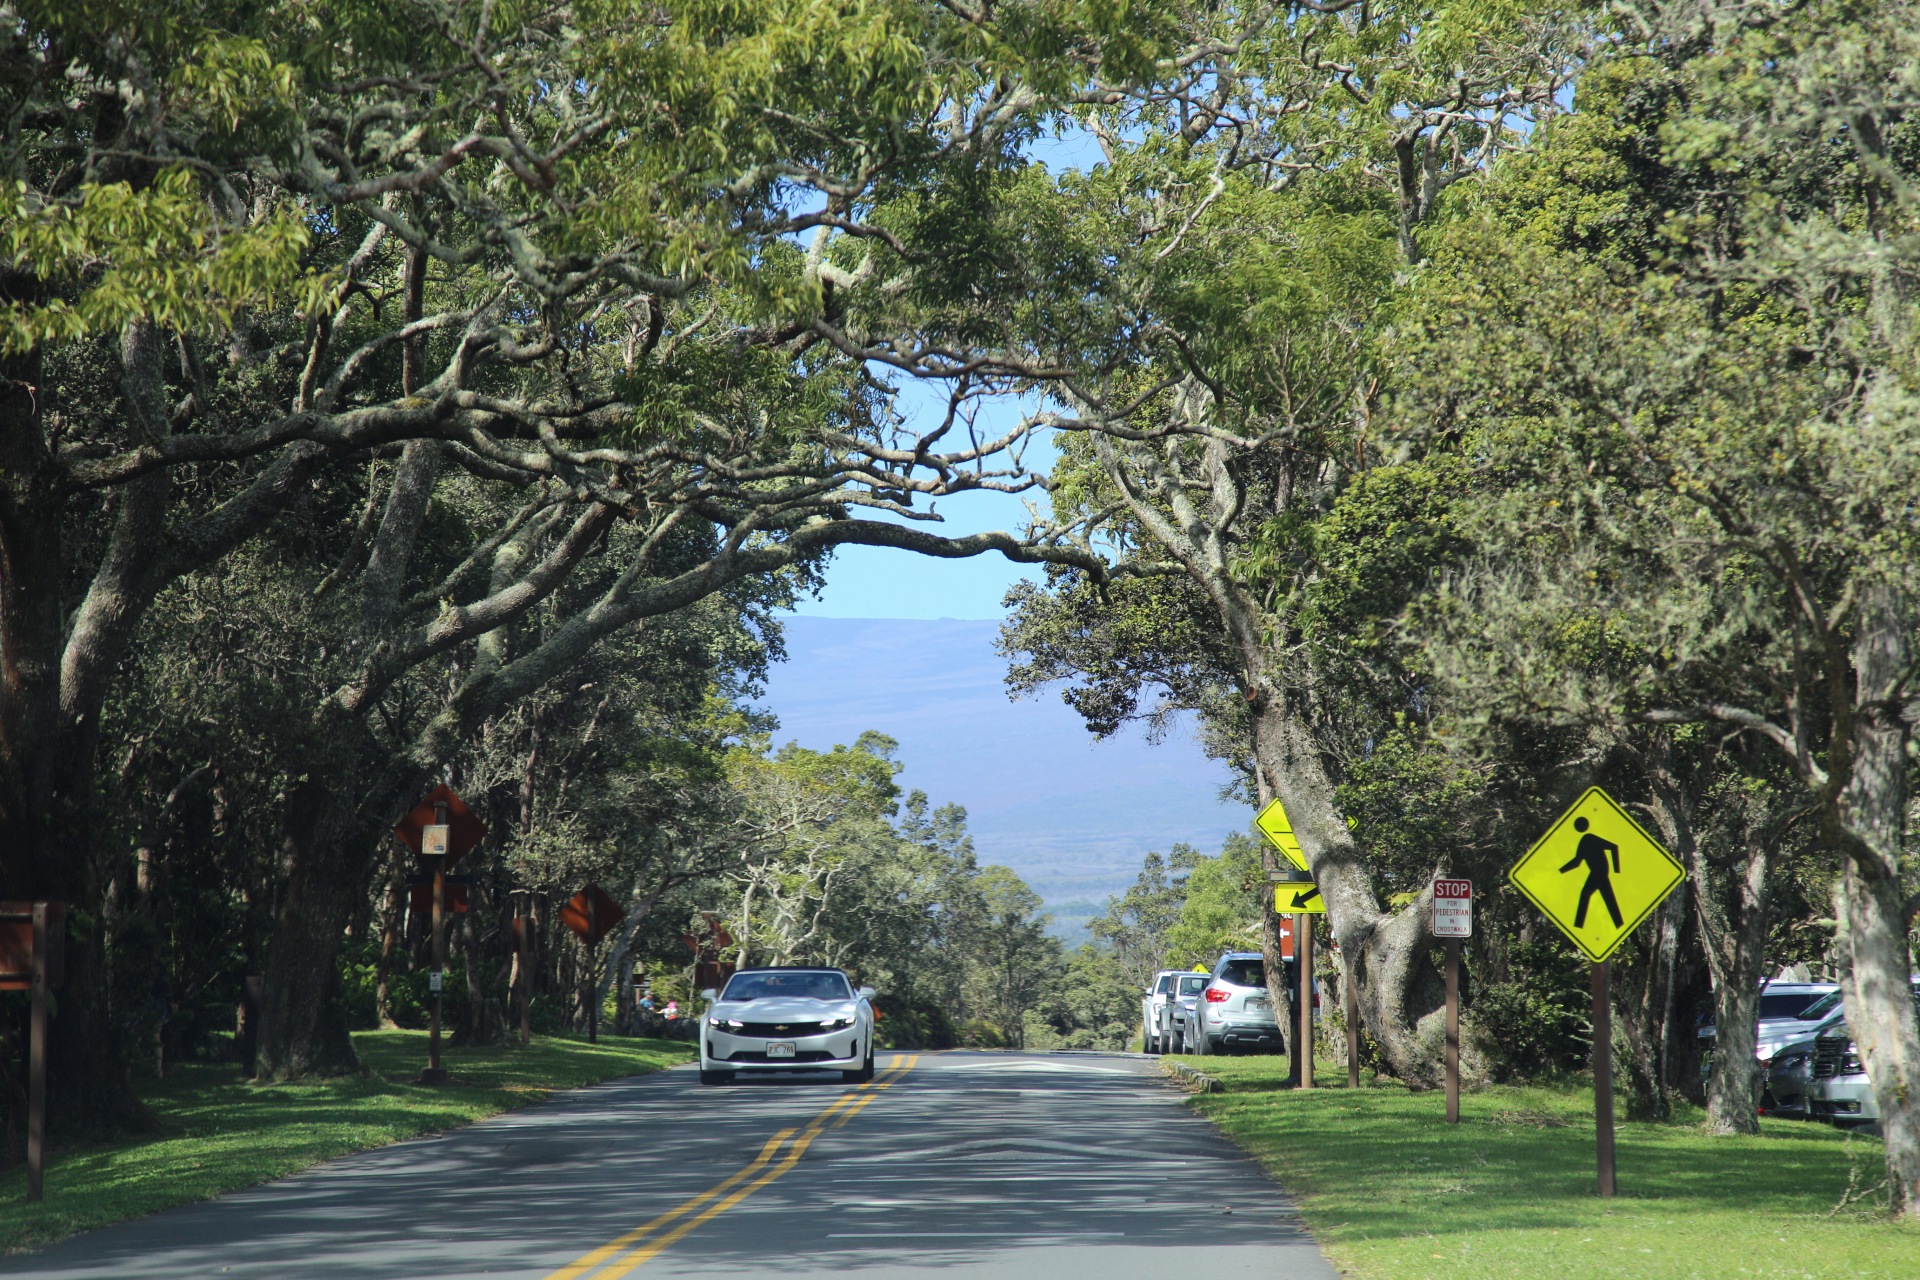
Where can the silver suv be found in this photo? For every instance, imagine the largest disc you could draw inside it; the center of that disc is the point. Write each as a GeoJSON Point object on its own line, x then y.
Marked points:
{"type": "Point", "coordinates": [1839, 1091]}
{"type": "Point", "coordinates": [1233, 1011]}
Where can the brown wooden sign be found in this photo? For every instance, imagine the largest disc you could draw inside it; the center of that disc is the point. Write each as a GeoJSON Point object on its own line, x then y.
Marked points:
{"type": "Point", "coordinates": [16, 945]}
{"type": "Point", "coordinates": [420, 894]}
{"type": "Point", "coordinates": [591, 914]}
{"type": "Point", "coordinates": [464, 833]}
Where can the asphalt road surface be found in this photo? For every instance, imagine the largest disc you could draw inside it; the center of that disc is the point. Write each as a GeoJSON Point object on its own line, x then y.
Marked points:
{"type": "Point", "coordinates": [1059, 1167]}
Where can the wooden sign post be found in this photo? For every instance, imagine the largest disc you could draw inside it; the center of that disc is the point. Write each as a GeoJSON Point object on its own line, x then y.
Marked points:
{"type": "Point", "coordinates": [441, 830]}
{"type": "Point", "coordinates": [1452, 921]}
{"type": "Point", "coordinates": [592, 915]}
{"type": "Point", "coordinates": [1597, 874]}
{"type": "Point", "coordinates": [32, 959]}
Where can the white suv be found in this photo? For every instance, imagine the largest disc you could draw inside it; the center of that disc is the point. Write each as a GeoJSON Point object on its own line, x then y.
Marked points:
{"type": "Point", "coordinates": [1153, 1016]}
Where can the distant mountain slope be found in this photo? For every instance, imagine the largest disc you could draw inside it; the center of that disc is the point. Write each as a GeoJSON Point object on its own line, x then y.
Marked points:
{"type": "Point", "coordinates": [1072, 816]}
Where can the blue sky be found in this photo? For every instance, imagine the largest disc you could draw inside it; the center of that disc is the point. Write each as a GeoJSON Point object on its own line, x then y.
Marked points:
{"type": "Point", "coordinates": [879, 582]}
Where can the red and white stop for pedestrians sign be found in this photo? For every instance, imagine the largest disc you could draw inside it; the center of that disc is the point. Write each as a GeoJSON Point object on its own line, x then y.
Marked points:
{"type": "Point", "coordinates": [1452, 908]}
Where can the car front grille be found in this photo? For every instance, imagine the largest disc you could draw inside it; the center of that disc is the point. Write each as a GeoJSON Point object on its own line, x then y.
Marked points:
{"type": "Point", "coordinates": [780, 1030]}
{"type": "Point", "coordinates": [1828, 1052]}
{"type": "Point", "coordinates": [760, 1055]}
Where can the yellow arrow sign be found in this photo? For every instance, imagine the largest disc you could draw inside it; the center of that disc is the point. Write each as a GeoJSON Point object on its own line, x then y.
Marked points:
{"type": "Point", "coordinates": [1272, 823]}
{"type": "Point", "coordinates": [1299, 895]}
{"type": "Point", "coordinates": [1596, 874]}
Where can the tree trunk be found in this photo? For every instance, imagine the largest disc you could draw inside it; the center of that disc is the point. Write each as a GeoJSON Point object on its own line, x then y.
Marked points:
{"type": "Point", "coordinates": [1733, 920]}
{"type": "Point", "coordinates": [392, 911]}
{"type": "Point", "coordinates": [1869, 830]}
{"type": "Point", "coordinates": [1278, 992]}
{"type": "Point", "coordinates": [303, 1017]}
{"type": "Point", "coordinates": [1642, 994]}
{"type": "Point", "coordinates": [1398, 985]}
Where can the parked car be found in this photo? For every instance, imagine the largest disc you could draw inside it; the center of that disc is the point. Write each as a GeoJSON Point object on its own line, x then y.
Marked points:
{"type": "Point", "coordinates": [1839, 1090]}
{"type": "Point", "coordinates": [1152, 1003]}
{"type": "Point", "coordinates": [1786, 1013]}
{"type": "Point", "coordinates": [1787, 1076]}
{"type": "Point", "coordinates": [1176, 1011]}
{"type": "Point", "coordinates": [1233, 1011]}
{"type": "Point", "coordinates": [788, 1019]}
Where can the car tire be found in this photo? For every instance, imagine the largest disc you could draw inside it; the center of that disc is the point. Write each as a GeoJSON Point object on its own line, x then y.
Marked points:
{"type": "Point", "coordinates": [716, 1077]}
{"type": "Point", "coordinates": [862, 1073]}
{"type": "Point", "coordinates": [1202, 1046]}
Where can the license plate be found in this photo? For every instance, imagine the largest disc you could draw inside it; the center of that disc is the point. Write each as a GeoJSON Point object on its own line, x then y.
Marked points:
{"type": "Point", "coordinates": [781, 1049]}
{"type": "Point", "coordinates": [1258, 1005]}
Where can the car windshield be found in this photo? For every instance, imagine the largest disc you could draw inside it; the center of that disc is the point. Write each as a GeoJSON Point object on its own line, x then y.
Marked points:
{"type": "Point", "coordinates": [1192, 984]}
{"type": "Point", "coordinates": [1785, 1004]}
{"type": "Point", "coordinates": [1820, 1008]}
{"type": "Point", "coordinates": [1244, 973]}
{"type": "Point", "coordinates": [816, 985]}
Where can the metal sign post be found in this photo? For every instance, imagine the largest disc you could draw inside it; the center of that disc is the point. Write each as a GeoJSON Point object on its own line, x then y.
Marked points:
{"type": "Point", "coordinates": [1453, 920]}
{"type": "Point", "coordinates": [1597, 875]}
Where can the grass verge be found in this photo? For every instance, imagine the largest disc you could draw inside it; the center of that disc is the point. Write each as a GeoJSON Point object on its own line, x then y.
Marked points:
{"type": "Point", "coordinates": [219, 1133]}
{"type": "Point", "coordinates": [1393, 1192]}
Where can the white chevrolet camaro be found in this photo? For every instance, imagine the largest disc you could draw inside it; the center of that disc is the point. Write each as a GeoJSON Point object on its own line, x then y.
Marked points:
{"type": "Point", "coordinates": [787, 1019]}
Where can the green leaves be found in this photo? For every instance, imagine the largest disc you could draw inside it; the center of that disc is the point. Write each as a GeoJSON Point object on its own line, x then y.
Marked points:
{"type": "Point", "coordinates": [157, 253]}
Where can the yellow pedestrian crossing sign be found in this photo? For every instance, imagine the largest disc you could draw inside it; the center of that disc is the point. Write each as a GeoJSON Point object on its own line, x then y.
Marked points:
{"type": "Point", "coordinates": [1597, 874]}
{"type": "Point", "coordinates": [1298, 896]}
{"type": "Point", "coordinates": [1272, 823]}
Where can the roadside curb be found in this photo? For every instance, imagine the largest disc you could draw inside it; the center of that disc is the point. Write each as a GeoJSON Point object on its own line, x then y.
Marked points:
{"type": "Point", "coordinates": [1194, 1081]}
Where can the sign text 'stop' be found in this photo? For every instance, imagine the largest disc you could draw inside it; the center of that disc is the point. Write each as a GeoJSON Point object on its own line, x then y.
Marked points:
{"type": "Point", "coordinates": [1452, 908]}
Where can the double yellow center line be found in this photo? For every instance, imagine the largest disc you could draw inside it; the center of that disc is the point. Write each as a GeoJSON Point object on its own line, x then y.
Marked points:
{"type": "Point", "coordinates": [619, 1256]}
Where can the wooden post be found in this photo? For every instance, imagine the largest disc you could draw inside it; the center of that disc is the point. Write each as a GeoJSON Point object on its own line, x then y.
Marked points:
{"type": "Point", "coordinates": [37, 1059]}
{"type": "Point", "coordinates": [1353, 1027]}
{"type": "Point", "coordinates": [593, 995]}
{"type": "Point", "coordinates": [435, 1072]}
{"type": "Point", "coordinates": [1453, 1031]}
{"type": "Point", "coordinates": [1603, 1079]}
{"type": "Point", "coordinates": [1303, 952]}
{"type": "Point", "coordinates": [523, 944]}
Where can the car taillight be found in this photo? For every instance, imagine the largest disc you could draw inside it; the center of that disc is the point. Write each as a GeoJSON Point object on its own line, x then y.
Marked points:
{"type": "Point", "coordinates": [1216, 995]}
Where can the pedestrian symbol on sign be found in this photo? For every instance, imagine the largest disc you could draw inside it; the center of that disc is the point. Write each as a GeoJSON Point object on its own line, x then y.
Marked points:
{"type": "Point", "coordinates": [1592, 854]}
{"type": "Point", "coordinates": [1595, 850]}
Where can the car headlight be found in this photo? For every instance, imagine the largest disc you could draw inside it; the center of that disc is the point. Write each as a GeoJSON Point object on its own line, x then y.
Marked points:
{"type": "Point", "coordinates": [1791, 1062]}
{"type": "Point", "coordinates": [836, 1024]}
{"type": "Point", "coordinates": [725, 1024]}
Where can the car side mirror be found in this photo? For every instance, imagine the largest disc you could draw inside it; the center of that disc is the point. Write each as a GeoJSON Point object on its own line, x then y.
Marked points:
{"type": "Point", "coordinates": [866, 993]}
{"type": "Point", "coordinates": [709, 995]}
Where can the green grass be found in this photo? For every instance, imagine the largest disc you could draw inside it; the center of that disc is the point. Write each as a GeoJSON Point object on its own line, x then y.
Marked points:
{"type": "Point", "coordinates": [1394, 1192]}
{"type": "Point", "coordinates": [218, 1133]}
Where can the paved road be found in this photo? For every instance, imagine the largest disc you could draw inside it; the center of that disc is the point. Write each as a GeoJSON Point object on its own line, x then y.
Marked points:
{"type": "Point", "coordinates": [1059, 1167]}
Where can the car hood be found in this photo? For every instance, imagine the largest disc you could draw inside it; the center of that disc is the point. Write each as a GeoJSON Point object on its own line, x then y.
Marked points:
{"type": "Point", "coordinates": [784, 1009]}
